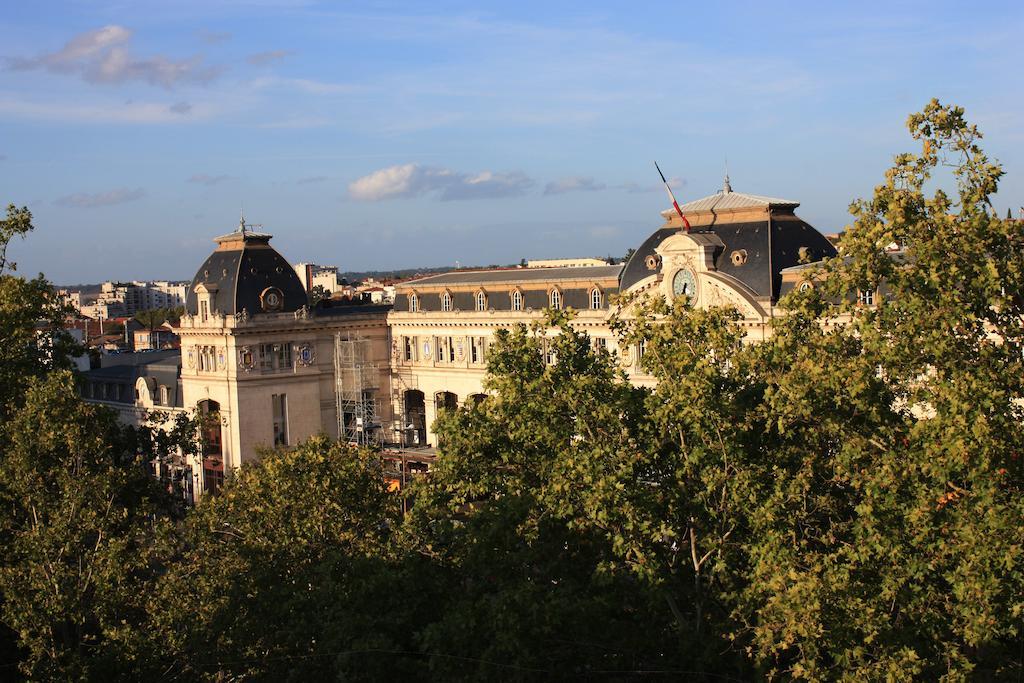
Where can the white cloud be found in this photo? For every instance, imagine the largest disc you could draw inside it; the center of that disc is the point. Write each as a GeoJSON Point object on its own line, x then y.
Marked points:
{"type": "Point", "coordinates": [411, 180]}
{"type": "Point", "coordinates": [204, 179]}
{"type": "Point", "coordinates": [109, 198]}
{"type": "Point", "coordinates": [104, 56]}
{"type": "Point", "coordinates": [213, 37]}
{"type": "Point", "coordinates": [573, 184]}
{"type": "Point", "coordinates": [306, 85]}
{"type": "Point", "coordinates": [264, 58]}
{"type": "Point", "coordinates": [119, 112]}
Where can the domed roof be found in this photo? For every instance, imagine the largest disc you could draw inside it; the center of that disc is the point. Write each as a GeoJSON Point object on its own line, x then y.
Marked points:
{"type": "Point", "coordinates": [240, 271]}
{"type": "Point", "coordinates": [761, 236]}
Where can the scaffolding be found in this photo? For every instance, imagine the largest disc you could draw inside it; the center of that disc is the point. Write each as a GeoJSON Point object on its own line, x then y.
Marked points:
{"type": "Point", "coordinates": [356, 383]}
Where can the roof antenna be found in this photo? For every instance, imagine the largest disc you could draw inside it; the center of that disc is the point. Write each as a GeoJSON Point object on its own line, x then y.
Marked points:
{"type": "Point", "coordinates": [242, 225]}
{"type": "Point", "coordinates": [726, 187]}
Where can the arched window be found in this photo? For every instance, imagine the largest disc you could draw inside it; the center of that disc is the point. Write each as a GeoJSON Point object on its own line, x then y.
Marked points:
{"type": "Point", "coordinates": [555, 299]}
{"type": "Point", "coordinates": [517, 300]}
{"type": "Point", "coordinates": [596, 299]}
{"type": "Point", "coordinates": [481, 301]}
{"type": "Point", "coordinates": [414, 303]}
{"type": "Point", "coordinates": [446, 302]}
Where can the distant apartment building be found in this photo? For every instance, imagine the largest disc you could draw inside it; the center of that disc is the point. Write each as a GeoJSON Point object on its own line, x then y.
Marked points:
{"type": "Point", "coordinates": [312, 276]}
{"type": "Point", "coordinates": [103, 310]}
{"type": "Point", "coordinates": [128, 298]}
{"type": "Point", "coordinates": [73, 299]}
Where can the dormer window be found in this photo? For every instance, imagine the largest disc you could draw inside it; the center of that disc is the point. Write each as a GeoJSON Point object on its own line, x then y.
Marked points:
{"type": "Point", "coordinates": [555, 299]}
{"type": "Point", "coordinates": [414, 303]}
{"type": "Point", "coordinates": [446, 302]}
{"type": "Point", "coordinates": [596, 299]}
{"type": "Point", "coordinates": [517, 300]}
{"type": "Point", "coordinates": [481, 300]}
{"type": "Point", "coordinates": [204, 297]}
{"type": "Point", "coordinates": [866, 297]}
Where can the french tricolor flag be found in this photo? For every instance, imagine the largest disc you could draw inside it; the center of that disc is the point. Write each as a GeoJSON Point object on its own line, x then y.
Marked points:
{"type": "Point", "coordinates": [672, 197]}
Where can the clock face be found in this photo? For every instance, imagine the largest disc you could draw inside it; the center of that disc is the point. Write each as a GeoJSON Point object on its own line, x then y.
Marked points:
{"type": "Point", "coordinates": [684, 283]}
{"type": "Point", "coordinates": [271, 299]}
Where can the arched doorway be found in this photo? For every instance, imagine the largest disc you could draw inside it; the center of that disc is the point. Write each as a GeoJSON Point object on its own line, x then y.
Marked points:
{"type": "Point", "coordinates": [414, 418]}
{"type": "Point", "coordinates": [212, 440]}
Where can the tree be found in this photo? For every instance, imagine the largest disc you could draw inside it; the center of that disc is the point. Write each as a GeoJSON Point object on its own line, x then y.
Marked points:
{"type": "Point", "coordinates": [290, 573]}
{"type": "Point", "coordinates": [517, 507]}
{"type": "Point", "coordinates": [32, 337]}
{"type": "Point", "coordinates": [911, 564]}
{"type": "Point", "coordinates": [78, 510]}
{"type": "Point", "coordinates": [17, 224]}
{"type": "Point", "coordinates": [318, 294]}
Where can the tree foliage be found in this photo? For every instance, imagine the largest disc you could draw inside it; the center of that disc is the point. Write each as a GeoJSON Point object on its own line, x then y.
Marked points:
{"type": "Point", "coordinates": [77, 507]}
{"type": "Point", "coordinates": [841, 501]}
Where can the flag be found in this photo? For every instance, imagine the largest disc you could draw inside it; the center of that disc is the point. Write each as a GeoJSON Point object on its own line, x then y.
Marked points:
{"type": "Point", "coordinates": [672, 197]}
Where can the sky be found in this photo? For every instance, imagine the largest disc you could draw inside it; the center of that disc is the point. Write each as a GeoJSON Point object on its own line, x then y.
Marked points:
{"type": "Point", "coordinates": [389, 135]}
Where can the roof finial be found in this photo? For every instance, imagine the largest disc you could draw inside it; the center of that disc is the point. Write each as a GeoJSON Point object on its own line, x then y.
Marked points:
{"type": "Point", "coordinates": [726, 187]}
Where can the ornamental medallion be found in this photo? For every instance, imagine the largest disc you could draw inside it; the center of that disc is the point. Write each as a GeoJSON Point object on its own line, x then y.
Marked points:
{"type": "Point", "coordinates": [306, 354]}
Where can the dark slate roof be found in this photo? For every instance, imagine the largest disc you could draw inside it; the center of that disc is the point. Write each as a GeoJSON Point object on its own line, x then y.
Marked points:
{"type": "Point", "coordinates": [789, 234]}
{"type": "Point", "coordinates": [241, 268]}
{"type": "Point", "coordinates": [331, 311]}
{"type": "Point", "coordinates": [514, 275]}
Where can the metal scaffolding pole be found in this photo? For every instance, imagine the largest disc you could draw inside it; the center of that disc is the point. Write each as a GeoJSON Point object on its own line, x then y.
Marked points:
{"type": "Point", "coordinates": [356, 383]}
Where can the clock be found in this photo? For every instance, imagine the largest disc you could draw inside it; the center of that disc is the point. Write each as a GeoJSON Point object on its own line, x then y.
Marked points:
{"type": "Point", "coordinates": [684, 283]}
{"type": "Point", "coordinates": [271, 299]}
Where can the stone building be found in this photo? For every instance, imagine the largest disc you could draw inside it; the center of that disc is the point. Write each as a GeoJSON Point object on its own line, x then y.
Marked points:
{"type": "Point", "coordinates": [275, 371]}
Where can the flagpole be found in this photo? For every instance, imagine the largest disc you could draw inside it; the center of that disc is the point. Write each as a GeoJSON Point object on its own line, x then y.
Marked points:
{"type": "Point", "coordinates": [672, 197]}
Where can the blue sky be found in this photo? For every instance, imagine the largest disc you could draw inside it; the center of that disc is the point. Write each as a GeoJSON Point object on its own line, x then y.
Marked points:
{"type": "Point", "coordinates": [390, 135]}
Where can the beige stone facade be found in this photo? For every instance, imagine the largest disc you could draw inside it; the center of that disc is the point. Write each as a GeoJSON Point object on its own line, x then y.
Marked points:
{"type": "Point", "coordinates": [275, 372]}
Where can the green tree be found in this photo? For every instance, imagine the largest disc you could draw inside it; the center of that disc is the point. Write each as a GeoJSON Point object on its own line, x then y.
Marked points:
{"type": "Point", "coordinates": [290, 573]}
{"type": "Point", "coordinates": [32, 316]}
{"type": "Point", "coordinates": [318, 294]}
{"type": "Point", "coordinates": [78, 507]}
{"type": "Point", "coordinates": [894, 546]}
{"type": "Point", "coordinates": [17, 224]}
{"type": "Point", "coordinates": [516, 508]}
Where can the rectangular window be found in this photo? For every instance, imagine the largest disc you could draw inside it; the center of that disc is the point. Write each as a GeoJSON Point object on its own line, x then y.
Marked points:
{"type": "Point", "coordinates": [266, 357]}
{"type": "Point", "coordinates": [283, 356]}
{"type": "Point", "coordinates": [276, 357]}
{"type": "Point", "coordinates": [440, 349]}
{"type": "Point", "coordinates": [409, 345]}
{"type": "Point", "coordinates": [476, 349]}
{"type": "Point", "coordinates": [599, 343]}
{"type": "Point", "coordinates": [207, 359]}
{"type": "Point", "coordinates": [451, 350]}
{"type": "Point", "coordinates": [279, 404]}
{"type": "Point", "coordinates": [204, 310]}
{"type": "Point", "coordinates": [866, 297]}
